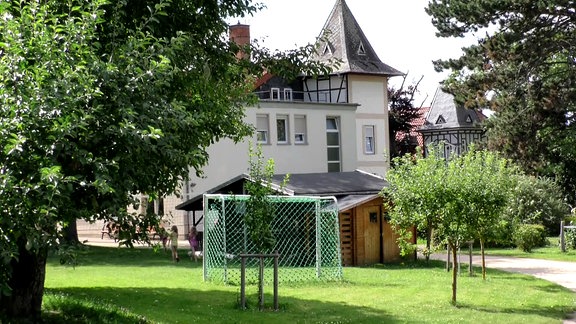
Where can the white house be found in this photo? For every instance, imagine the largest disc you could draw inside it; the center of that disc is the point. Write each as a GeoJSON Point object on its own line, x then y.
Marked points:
{"type": "Point", "coordinates": [334, 124]}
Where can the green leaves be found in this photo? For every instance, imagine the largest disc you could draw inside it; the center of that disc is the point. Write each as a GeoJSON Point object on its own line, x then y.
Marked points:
{"type": "Point", "coordinates": [260, 210]}
{"type": "Point", "coordinates": [522, 67]}
{"type": "Point", "coordinates": [461, 198]}
{"type": "Point", "coordinates": [103, 100]}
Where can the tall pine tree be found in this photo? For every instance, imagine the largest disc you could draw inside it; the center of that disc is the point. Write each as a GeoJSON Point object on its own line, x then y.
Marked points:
{"type": "Point", "coordinates": [523, 68]}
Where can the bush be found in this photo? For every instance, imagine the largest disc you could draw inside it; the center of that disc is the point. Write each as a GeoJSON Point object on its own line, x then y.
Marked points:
{"type": "Point", "coordinates": [570, 236]}
{"type": "Point", "coordinates": [529, 236]}
{"type": "Point", "coordinates": [536, 200]}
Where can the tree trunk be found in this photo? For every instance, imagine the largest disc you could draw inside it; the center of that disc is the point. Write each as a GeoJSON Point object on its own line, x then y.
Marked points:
{"type": "Point", "coordinates": [71, 233]}
{"type": "Point", "coordinates": [428, 241]}
{"type": "Point", "coordinates": [483, 259]}
{"type": "Point", "coordinates": [27, 283]}
{"type": "Point", "coordinates": [454, 272]}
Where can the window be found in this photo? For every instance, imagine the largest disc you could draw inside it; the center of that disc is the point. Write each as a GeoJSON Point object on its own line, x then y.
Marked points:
{"type": "Point", "coordinates": [275, 93]}
{"type": "Point", "coordinates": [369, 143]}
{"type": "Point", "coordinates": [288, 94]}
{"type": "Point", "coordinates": [440, 120]}
{"type": "Point", "coordinates": [299, 129]}
{"type": "Point", "coordinates": [282, 129]}
{"type": "Point", "coordinates": [262, 129]}
{"type": "Point", "coordinates": [327, 50]}
{"type": "Point", "coordinates": [333, 144]}
{"type": "Point", "coordinates": [361, 50]}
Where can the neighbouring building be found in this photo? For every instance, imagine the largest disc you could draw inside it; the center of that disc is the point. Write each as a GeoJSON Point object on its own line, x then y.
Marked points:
{"type": "Point", "coordinates": [451, 124]}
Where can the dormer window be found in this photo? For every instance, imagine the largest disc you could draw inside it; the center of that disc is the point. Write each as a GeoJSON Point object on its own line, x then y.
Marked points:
{"type": "Point", "coordinates": [361, 50]}
{"type": "Point", "coordinates": [327, 50]}
{"type": "Point", "coordinates": [440, 120]}
{"type": "Point", "coordinates": [275, 93]}
{"type": "Point", "coordinates": [288, 94]}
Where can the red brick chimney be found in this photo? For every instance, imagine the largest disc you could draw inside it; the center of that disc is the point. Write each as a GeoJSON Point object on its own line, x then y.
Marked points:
{"type": "Point", "coordinates": [240, 34]}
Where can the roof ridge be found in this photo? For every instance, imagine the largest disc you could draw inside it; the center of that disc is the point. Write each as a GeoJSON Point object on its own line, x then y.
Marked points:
{"type": "Point", "coordinates": [350, 45]}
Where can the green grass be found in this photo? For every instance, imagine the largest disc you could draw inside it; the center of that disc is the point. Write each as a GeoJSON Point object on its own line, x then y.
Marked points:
{"type": "Point", "coordinates": [550, 252]}
{"type": "Point", "coordinates": [113, 285]}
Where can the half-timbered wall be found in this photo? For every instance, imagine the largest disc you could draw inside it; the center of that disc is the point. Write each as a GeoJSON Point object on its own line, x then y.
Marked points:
{"type": "Point", "coordinates": [457, 142]}
{"type": "Point", "coordinates": [333, 89]}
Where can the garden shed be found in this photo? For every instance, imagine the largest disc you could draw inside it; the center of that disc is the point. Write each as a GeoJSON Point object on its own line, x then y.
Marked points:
{"type": "Point", "coordinates": [366, 237]}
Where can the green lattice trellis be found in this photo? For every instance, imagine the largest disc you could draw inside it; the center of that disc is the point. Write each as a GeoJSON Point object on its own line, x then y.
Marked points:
{"type": "Point", "coordinates": [306, 231]}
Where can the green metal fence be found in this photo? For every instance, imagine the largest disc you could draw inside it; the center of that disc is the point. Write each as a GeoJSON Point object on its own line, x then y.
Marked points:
{"type": "Point", "coordinates": [307, 239]}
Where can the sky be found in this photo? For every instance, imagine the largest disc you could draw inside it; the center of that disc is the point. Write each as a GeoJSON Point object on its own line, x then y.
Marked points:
{"type": "Point", "coordinates": [400, 32]}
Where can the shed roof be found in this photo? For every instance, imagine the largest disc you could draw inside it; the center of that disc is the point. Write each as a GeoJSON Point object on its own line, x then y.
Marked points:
{"type": "Point", "coordinates": [350, 188]}
{"type": "Point", "coordinates": [333, 183]}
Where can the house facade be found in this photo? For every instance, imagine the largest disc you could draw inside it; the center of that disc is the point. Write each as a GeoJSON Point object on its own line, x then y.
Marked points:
{"type": "Point", "coordinates": [329, 124]}
{"type": "Point", "coordinates": [452, 125]}
{"type": "Point", "coordinates": [335, 123]}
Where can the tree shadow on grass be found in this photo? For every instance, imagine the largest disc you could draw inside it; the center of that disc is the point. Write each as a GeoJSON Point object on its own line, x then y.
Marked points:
{"type": "Point", "coordinates": [154, 305]}
{"type": "Point", "coordinates": [410, 264]}
{"type": "Point", "coordinates": [551, 312]}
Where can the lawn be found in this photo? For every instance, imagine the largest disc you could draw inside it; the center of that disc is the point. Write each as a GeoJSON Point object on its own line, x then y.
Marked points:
{"type": "Point", "coordinates": [112, 285]}
{"type": "Point", "coordinates": [550, 252]}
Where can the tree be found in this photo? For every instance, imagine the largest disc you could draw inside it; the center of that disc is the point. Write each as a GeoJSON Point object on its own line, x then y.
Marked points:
{"type": "Point", "coordinates": [259, 209]}
{"type": "Point", "coordinates": [523, 69]}
{"type": "Point", "coordinates": [459, 198]}
{"type": "Point", "coordinates": [401, 114]}
{"type": "Point", "coordinates": [488, 181]}
{"type": "Point", "coordinates": [104, 101]}
{"type": "Point", "coordinates": [411, 180]}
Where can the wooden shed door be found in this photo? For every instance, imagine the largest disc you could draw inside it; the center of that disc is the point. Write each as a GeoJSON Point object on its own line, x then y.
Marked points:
{"type": "Point", "coordinates": [372, 234]}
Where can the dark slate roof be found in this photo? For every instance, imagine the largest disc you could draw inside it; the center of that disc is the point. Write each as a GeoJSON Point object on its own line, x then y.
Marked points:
{"type": "Point", "coordinates": [350, 188]}
{"type": "Point", "coordinates": [444, 113]}
{"type": "Point", "coordinates": [348, 202]}
{"type": "Point", "coordinates": [333, 183]}
{"type": "Point", "coordinates": [342, 38]}
{"type": "Point", "coordinates": [234, 185]}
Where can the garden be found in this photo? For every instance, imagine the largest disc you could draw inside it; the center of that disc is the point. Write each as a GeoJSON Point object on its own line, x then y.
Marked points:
{"type": "Point", "coordinates": [142, 285]}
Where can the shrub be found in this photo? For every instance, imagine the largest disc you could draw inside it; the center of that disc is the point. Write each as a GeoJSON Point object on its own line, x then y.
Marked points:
{"type": "Point", "coordinates": [570, 236]}
{"type": "Point", "coordinates": [528, 236]}
{"type": "Point", "coordinates": [536, 200]}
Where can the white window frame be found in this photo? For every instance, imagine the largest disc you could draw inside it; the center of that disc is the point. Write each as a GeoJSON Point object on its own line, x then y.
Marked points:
{"type": "Point", "coordinates": [339, 146]}
{"type": "Point", "coordinates": [284, 119]}
{"type": "Point", "coordinates": [369, 139]}
{"type": "Point", "coordinates": [262, 129]}
{"type": "Point", "coordinates": [287, 94]}
{"type": "Point", "coordinates": [275, 93]}
{"type": "Point", "coordinates": [300, 129]}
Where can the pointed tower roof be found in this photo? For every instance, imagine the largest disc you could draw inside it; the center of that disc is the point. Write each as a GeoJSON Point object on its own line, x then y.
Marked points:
{"type": "Point", "coordinates": [445, 114]}
{"type": "Point", "coordinates": [342, 38]}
